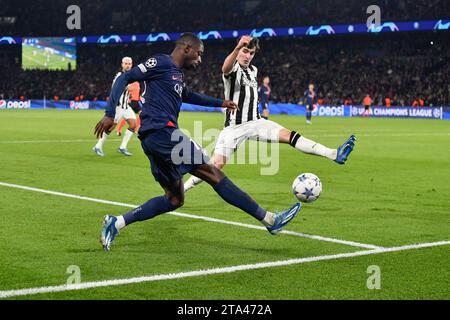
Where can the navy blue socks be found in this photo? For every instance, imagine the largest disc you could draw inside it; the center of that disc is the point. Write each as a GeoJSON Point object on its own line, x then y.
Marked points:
{"type": "Point", "coordinates": [238, 198]}
{"type": "Point", "coordinates": [149, 210]}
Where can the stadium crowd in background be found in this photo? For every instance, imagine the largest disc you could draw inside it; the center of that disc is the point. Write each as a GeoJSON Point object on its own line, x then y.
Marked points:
{"type": "Point", "coordinates": [111, 16]}
{"type": "Point", "coordinates": [397, 70]}
{"type": "Point", "coordinates": [401, 69]}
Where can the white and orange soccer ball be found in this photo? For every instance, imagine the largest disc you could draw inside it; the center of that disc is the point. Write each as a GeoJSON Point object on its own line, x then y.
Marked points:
{"type": "Point", "coordinates": [307, 187]}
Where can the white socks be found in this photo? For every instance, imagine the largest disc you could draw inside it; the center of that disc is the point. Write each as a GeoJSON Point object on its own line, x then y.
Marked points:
{"type": "Point", "coordinates": [101, 141]}
{"type": "Point", "coordinates": [269, 219]}
{"type": "Point", "coordinates": [308, 146]}
{"type": "Point", "coordinates": [127, 136]}
{"type": "Point", "coordinates": [120, 223]}
{"type": "Point", "coordinates": [192, 182]}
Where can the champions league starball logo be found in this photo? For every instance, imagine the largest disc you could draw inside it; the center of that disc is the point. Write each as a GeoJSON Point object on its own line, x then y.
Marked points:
{"type": "Point", "coordinates": [437, 113]}
{"type": "Point", "coordinates": [211, 34]}
{"type": "Point", "coordinates": [387, 26]}
{"type": "Point", "coordinates": [314, 31]}
{"type": "Point", "coordinates": [267, 32]}
{"type": "Point", "coordinates": [109, 39]}
{"type": "Point", "coordinates": [7, 40]}
{"type": "Point", "coordinates": [442, 26]}
{"type": "Point", "coordinates": [158, 37]}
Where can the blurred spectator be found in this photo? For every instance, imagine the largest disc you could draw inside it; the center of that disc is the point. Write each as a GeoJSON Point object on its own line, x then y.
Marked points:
{"type": "Point", "coordinates": [402, 67]}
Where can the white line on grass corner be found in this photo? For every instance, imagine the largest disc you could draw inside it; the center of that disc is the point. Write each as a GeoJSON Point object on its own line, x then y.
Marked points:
{"type": "Point", "coordinates": [221, 270]}
{"type": "Point", "coordinates": [185, 215]}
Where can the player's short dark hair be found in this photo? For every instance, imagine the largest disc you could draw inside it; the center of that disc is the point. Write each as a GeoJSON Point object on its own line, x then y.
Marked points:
{"type": "Point", "coordinates": [254, 43]}
{"type": "Point", "coordinates": [188, 38]}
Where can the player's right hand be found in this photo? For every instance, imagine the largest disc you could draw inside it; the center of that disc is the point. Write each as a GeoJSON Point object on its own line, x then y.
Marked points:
{"type": "Point", "coordinates": [244, 41]}
{"type": "Point", "coordinates": [104, 125]}
{"type": "Point", "coordinates": [230, 105]}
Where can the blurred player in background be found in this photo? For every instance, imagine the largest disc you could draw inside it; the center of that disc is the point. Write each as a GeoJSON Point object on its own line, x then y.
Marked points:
{"type": "Point", "coordinates": [264, 96]}
{"type": "Point", "coordinates": [241, 86]}
{"type": "Point", "coordinates": [311, 100]}
{"type": "Point", "coordinates": [135, 104]}
{"type": "Point", "coordinates": [367, 102]}
{"type": "Point", "coordinates": [123, 110]}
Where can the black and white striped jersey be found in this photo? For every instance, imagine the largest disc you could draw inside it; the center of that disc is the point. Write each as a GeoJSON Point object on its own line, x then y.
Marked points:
{"type": "Point", "coordinates": [241, 86]}
{"type": "Point", "coordinates": [124, 97]}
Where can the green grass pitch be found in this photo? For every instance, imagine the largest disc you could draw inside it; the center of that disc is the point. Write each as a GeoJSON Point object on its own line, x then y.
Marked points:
{"type": "Point", "coordinates": [394, 191]}
{"type": "Point", "coordinates": [41, 60]}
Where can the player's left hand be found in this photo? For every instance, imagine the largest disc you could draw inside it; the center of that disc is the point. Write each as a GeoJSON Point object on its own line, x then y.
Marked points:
{"type": "Point", "coordinates": [230, 105]}
{"type": "Point", "coordinates": [104, 125]}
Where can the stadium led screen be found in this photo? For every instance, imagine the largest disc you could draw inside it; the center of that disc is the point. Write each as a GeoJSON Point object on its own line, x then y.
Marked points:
{"type": "Point", "coordinates": [49, 53]}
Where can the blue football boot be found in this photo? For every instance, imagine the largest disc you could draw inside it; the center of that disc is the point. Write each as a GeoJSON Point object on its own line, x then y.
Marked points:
{"type": "Point", "coordinates": [344, 150]}
{"type": "Point", "coordinates": [109, 232]}
{"type": "Point", "coordinates": [283, 218]}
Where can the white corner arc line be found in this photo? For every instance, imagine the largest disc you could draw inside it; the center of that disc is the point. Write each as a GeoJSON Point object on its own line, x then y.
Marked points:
{"type": "Point", "coordinates": [185, 215]}
{"type": "Point", "coordinates": [220, 270]}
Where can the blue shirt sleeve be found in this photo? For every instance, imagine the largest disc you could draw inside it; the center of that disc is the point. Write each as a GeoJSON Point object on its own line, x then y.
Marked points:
{"type": "Point", "coordinates": [200, 99]}
{"type": "Point", "coordinates": [143, 71]}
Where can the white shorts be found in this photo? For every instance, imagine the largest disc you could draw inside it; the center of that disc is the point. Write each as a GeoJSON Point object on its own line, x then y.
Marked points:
{"type": "Point", "coordinates": [126, 114]}
{"type": "Point", "coordinates": [231, 137]}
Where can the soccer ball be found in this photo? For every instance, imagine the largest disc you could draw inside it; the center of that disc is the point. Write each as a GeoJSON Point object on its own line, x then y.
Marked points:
{"type": "Point", "coordinates": [307, 187]}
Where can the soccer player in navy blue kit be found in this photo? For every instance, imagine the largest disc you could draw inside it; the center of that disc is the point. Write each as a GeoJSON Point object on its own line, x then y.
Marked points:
{"type": "Point", "coordinates": [171, 153]}
{"type": "Point", "coordinates": [264, 96]}
{"type": "Point", "coordinates": [311, 99]}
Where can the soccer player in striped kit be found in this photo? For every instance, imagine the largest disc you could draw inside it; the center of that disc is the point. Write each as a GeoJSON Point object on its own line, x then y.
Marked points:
{"type": "Point", "coordinates": [123, 111]}
{"type": "Point", "coordinates": [240, 85]}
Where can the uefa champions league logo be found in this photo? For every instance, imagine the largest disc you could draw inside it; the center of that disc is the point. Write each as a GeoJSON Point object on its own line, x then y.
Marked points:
{"type": "Point", "coordinates": [151, 63]}
{"type": "Point", "coordinates": [437, 113]}
{"type": "Point", "coordinates": [158, 37]}
{"type": "Point", "coordinates": [387, 26]}
{"type": "Point", "coordinates": [211, 34]}
{"type": "Point", "coordinates": [109, 39]}
{"type": "Point", "coordinates": [7, 40]}
{"type": "Point", "coordinates": [442, 26]}
{"type": "Point", "coordinates": [267, 32]}
{"type": "Point", "coordinates": [325, 29]}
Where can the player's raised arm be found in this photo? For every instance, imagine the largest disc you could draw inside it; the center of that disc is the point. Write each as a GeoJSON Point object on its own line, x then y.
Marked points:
{"type": "Point", "coordinates": [204, 100]}
{"type": "Point", "coordinates": [228, 64]}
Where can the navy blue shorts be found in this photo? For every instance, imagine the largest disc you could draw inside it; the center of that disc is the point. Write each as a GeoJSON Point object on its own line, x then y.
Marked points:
{"type": "Point", "coordinates": [172, 154]}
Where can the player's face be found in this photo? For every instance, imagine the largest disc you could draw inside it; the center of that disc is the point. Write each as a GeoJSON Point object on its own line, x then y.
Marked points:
{"type": "Point", "coordinates": [246, 56]}
{"type": "Point", "coordinates": [194, 57]}
{"type": "Point", "coordinates": [311, 87]}
{"type": "Point", "coordinates": [266, 81]}
{"type": "Point", "coordinates": [127, 65]}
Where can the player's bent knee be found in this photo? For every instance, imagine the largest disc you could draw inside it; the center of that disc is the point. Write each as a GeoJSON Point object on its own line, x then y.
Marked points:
{"type": "Point", "coordinates": [284, 135]}
{"type": "Point", "coordinates": [219, 162]}
{"type": "Point", "coordinates": [177, 202]}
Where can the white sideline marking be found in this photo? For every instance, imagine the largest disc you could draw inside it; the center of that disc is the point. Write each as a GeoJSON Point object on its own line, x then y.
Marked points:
{"type": "Point", "coordinates": [185, 215]}
{"type": "Point", "coordinates": [196, 273]}
{"type": "Point", "coordinates": [387, 134]}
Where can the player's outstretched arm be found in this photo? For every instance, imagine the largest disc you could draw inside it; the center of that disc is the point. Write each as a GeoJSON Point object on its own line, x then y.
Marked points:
{"type": "Point", "coordinates": [207, 101]}
{"type": "Point", "coordinates": [231, 59]}
{"type": "Point", "coordinates": [136, 74]}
